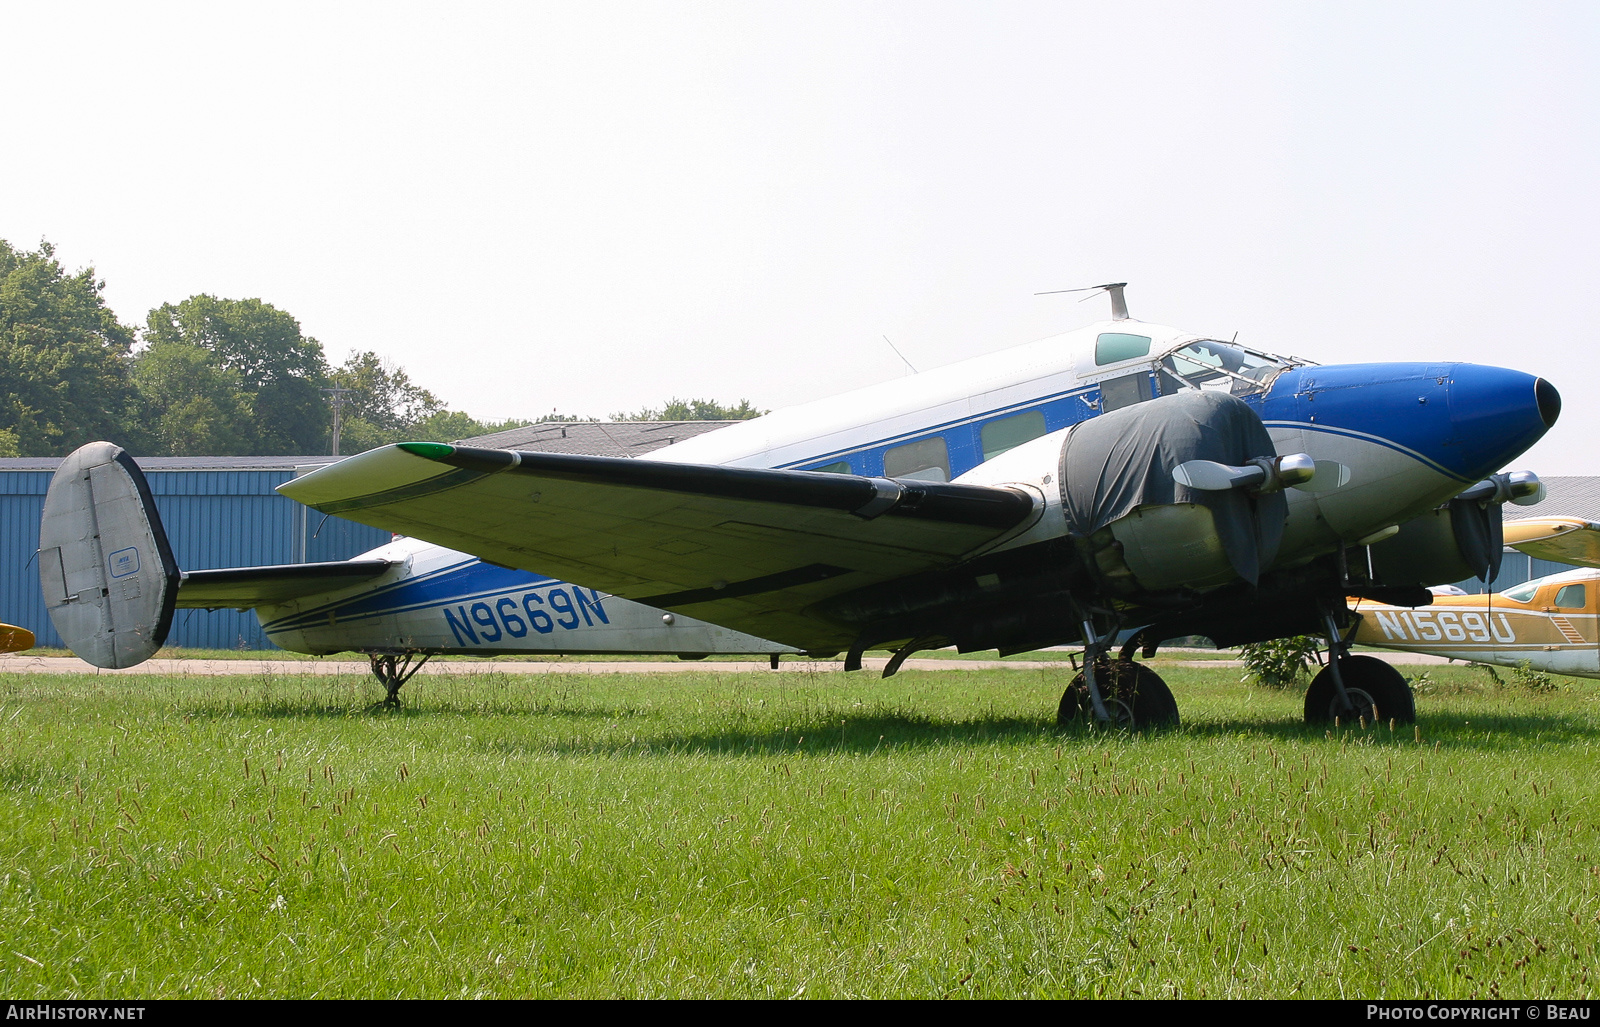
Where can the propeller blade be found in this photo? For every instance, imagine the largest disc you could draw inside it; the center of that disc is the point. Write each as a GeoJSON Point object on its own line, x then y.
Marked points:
{"type": "Point", "coordinates": [1211, 476]}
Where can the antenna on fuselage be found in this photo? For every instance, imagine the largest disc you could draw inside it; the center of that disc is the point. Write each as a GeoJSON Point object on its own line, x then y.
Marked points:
{"type": "Point", "coordinates": [902, 356]}
{"type": "Point", "coordinates": [1119, 306]}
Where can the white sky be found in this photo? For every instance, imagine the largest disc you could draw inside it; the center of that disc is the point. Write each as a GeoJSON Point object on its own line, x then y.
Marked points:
{"type": "Point", "coordinates": [595, 207]}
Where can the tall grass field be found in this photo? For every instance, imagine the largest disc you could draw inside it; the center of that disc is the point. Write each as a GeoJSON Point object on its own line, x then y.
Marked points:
{"type": "Point", "coordinates": [828, 835]}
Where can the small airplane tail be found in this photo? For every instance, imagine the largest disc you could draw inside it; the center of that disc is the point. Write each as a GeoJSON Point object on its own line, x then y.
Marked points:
{"type": "Point", "coordinates": [109, 577]}
{"type": "Point", "coordinates": [111, 582]}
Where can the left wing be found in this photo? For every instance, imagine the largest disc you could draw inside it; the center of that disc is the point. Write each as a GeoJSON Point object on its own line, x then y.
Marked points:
{"type": "Point", "coordinates": [1562, 539]}
{"type": "Point", "coordinates": [751, 549]}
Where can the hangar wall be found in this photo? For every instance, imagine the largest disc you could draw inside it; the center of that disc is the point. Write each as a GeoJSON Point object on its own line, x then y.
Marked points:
{"type": "Point", "coordinates": [218, 512]}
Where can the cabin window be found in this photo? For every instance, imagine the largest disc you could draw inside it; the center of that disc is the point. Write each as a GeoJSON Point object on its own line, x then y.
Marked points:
{"type": "Point", "coordinates": [1124, 392]}
{"type": "Point", "coordinates": [1111, 347]}
{"type": "Point", "coordinates": [1010, 432]}
{"type": "Point", "coordinates": [923, 460]}
{"type": "Point", "coordinates": [1572, 597]}
{"type": "Point", "coordinates": [837, 467]}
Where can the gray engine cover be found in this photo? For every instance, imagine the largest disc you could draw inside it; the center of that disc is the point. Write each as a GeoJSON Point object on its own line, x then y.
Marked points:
{"type": "Point", "coordinates": [109, 578]}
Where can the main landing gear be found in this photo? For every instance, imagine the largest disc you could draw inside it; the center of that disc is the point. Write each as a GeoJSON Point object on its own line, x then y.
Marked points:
{"type": "Point", "coordinates": [393, 670]}
{"type": "Point", "coordinates": [1134, 696]}
{"type": "Point", "coordinates": [1352, 687]}
{"type": "Point", "coordinates": [1116, 693]}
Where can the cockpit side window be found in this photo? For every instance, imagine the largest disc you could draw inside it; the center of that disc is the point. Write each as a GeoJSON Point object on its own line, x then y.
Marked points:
{"type": "Point", "coordinates": [1111, 347]}
{"type": "Point", "coordinates": [1211, 365]}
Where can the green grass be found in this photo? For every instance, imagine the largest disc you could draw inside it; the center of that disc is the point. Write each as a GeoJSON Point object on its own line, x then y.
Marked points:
{"type": "Point", "coordinates": [824, 835]}
{"type": "Point", "coordinates": [274, 654]}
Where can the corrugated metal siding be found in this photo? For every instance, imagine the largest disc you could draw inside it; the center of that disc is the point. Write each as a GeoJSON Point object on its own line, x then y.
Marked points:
{"type": "Point", "coordinates": [1515, 568]}
{"type": "Point", "coordinates": [213, 518]}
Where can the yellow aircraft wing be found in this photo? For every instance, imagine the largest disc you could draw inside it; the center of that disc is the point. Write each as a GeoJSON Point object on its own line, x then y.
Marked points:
{"type": "Point", "coordinates": [14, 639]}
{"type": "Point", "coordinates": [1562, 539]}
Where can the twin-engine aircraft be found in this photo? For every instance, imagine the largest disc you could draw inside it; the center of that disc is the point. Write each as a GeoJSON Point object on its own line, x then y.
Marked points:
{"type": "Point", "coordinates": [1123, 476]}
{"type": "Point", "coordinates": [1550, 623]}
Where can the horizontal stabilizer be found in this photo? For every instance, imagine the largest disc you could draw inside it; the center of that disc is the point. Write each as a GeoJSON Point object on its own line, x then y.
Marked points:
{"type": "Point", "coordinates": [1561, 539]}
{"type": "Point", "coordinates": [243, 588]}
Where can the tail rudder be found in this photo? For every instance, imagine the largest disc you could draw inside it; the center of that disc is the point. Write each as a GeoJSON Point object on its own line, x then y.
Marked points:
{"type": "Point", "coordinates": [109, 577]}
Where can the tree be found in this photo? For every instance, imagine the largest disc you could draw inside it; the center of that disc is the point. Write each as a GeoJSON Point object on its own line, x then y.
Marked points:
{"type": "Point", "coordinates": [384, 396]}
{"type": "Point", "coordinates": [382, 406]}
{"type": "Point", "coordinates": [693, 410]}
{"type": "Point", "coordinates": [279, 370]}
{"type": "Point", "coordinates": [64, 357]}
{"type": "Point", "coordinates": [190, 405]}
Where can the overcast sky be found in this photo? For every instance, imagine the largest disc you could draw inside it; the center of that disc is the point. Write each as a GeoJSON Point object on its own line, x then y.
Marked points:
{"type": "Point", "coordinates": [598, 206]}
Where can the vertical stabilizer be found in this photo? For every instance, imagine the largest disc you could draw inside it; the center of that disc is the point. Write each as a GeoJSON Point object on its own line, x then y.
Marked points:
{"type": "Point", "coordinates": [109, 578]}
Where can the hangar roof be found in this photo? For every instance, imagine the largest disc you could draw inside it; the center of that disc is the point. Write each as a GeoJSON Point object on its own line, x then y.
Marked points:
{"type": "Point", "coordinates": [588, 438]}
{"type": "Point", "coordinates": [596, 438]}
{"type": "Point", "coordinates": [1570, 496]}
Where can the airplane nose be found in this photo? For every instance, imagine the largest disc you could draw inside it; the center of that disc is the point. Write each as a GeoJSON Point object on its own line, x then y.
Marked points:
{"type": "Point", "coordinates": [1497, 413]}
{"type": "Point", "coordinates": [1549, 402]}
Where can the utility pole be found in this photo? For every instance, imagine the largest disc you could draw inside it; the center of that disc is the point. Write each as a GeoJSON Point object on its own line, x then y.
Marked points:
{"type": "Point", "coordinates": [338, 393]}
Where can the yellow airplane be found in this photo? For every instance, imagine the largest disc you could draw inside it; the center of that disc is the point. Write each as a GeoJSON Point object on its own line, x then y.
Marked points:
{"type": "Point", "coordinates": [1550, 623]}
{"type": "Point", "coordinates": [14, 639]}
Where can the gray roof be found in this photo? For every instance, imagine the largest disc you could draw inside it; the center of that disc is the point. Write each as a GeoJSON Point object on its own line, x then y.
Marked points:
{"type": "Point", "coordinates": [1574, 496]}
{"type": "Point", "coordinates": [587, 438]}
{"type": "Point", "coordinates": [182, 463]}
{"type": "Point", "coordinates": [596, 438]}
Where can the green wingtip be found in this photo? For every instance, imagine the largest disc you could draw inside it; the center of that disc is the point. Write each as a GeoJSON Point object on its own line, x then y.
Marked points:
{"type": "Point", "coordinates": [430, 450]}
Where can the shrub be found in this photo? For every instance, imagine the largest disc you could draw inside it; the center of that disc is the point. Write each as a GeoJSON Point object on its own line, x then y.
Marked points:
{"type": "Point", "coordinates": [1281, 662]}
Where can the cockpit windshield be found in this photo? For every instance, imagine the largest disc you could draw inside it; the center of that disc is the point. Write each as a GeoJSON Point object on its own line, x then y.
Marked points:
{"type": "Point", "coordinates": [1219, 366]}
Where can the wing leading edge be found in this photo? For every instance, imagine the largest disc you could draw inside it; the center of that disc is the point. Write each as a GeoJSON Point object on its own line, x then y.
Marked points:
{"type": "Point", "coordinates": [751, 549]}
{"type": "Point", "coordinates": [1561, 539]}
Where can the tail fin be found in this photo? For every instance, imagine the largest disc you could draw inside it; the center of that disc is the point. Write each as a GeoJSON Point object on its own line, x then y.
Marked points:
{"type": "Point", "coordinates": [109, 577]}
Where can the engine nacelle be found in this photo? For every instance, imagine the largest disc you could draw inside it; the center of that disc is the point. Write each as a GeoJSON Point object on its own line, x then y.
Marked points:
{"type": "Point", "coordinates": [1144, 525]}
{"type": "Point", "coordinates": [1141, 525]}
{"type": "Point", "coordinates": [1462, 539]}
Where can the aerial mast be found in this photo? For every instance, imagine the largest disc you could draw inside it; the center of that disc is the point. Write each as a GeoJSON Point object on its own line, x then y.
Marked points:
{"type": "Point", "coordinates": [1119, 306]}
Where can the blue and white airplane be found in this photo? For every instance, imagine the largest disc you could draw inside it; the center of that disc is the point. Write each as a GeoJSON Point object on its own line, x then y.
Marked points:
{"type": "Point", "coordinates": [1123, 476]}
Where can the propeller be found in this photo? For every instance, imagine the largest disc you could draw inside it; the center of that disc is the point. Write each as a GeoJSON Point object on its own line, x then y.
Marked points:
{"type": "Point", "coordinates": [1265, 474]}
{"type": "Point", "coordinates": [1520, 487]}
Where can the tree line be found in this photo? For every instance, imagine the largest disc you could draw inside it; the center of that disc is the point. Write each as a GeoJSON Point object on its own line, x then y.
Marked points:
{"type": "Point", "coordinates": [207, 377]}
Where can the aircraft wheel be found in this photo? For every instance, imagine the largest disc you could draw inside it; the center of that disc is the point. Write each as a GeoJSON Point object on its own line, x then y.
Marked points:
{"type": "Point", "coordinates": [1370, 682]}
{"type": "Point", "coordinates": [1135, 696]}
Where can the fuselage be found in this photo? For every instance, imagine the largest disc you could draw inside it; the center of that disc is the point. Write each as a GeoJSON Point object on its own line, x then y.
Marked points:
{"type": "Point", "coordinates": [1550, 623]}
{"type": "Point", "coordinates": [1410, 434]}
